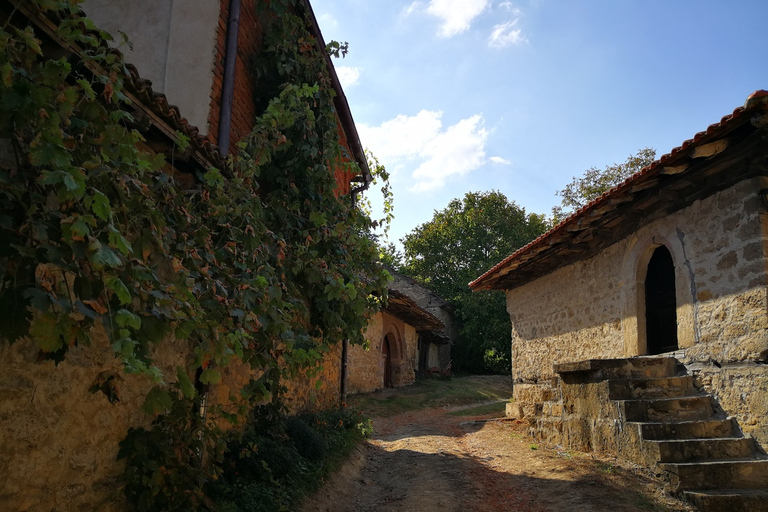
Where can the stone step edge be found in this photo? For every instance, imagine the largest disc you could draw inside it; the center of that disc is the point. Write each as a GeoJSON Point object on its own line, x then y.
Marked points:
{"type": "Point", "coordinates": [728, 492]}
{"type": "Point", "coordinates": [663, 398]}
{"type": "Point", "coordinates": [696, 439]}
{"type": "Point", "coordinates": [715, 462]}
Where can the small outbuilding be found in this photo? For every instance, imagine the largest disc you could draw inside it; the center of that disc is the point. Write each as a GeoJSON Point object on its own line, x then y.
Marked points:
{"type": "Point", "coordinates": [413, 333]}
{"type": "Point", "coordinates": [674, 261]}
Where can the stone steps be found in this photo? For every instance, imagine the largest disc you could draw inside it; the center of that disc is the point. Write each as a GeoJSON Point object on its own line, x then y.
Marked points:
{"type": "Point", "coordinates": [694, 450]}
{"type": "Point", "coordinates": [665, 422]}
{"type": "Point", "coordinates": [720, 474]}
{"type": "Point", "coordinates": [667, 409]}
{"type": "Point", "coordinates": [699, 429]}
{"type": "Point", "coordinates": [706, 458]}
{"type": "Point", "coordinates": [656, 387]}
{"type": "Point", "coordinates": [729, 500]}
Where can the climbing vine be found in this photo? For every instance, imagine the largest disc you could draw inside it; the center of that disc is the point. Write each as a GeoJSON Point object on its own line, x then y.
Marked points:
{"type": "Point", "coordinates": [261, 261]}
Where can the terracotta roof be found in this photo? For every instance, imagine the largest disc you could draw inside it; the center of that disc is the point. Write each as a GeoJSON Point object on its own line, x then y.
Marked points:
{"type": "Point", "coordinates": [160, 111]}
{"type": "Point", "coordinates": [600, 223]}
{"type": "Point", "coordinates": [142, 91]}
{"type": "Point", "coordinates": [406, 309]}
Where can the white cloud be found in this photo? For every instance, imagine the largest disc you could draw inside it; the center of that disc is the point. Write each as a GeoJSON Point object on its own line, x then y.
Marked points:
{"type": "Point", "coordinates": [348, 75]}
{"type": "Point", "coordinates": [506, 34]}
{"type": "Point", "coordinates": [500, 161]}
{"type": "Point", "coordinates": [438, 153]}
{"type": "Point", "coordinates": [327, 23]}
{"type": "Point", "coordinates": [456, 15]}
{"type": "Point", "coordinates": [510, 8]}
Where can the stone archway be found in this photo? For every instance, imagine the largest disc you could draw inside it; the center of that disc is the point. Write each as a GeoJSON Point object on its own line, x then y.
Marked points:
{"type": "Point", "coordinates": [637, 260]}
{"type": "Point", "coordinates": [660, 303]}
{"type": "Point", "coordinates": [386, 355]}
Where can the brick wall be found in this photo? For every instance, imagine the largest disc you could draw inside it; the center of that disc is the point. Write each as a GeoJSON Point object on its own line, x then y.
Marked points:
{"type": "Point", "coordinates": [249, 43]}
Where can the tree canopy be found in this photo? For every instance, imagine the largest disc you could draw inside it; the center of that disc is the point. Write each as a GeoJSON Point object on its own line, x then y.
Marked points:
{"type": "Point", "coordinates": [459, 244]}
{"type": "Point", "coordinates": [596, 182]}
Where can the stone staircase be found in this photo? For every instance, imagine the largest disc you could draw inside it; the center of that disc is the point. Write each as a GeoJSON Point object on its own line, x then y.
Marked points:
{"type": "Point", "coordinates": [647, 410]}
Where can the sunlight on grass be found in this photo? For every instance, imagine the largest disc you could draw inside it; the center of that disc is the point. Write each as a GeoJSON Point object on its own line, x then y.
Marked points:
{"type": "Point", "coordinates": [497, 409]}
{"type": "Point", "coordinates": [432, 393]}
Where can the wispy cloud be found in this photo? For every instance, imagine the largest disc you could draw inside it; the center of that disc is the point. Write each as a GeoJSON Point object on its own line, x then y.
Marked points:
{"type": "Point", "coordinates": [437, 153]}
{"type": "Point", "coordinates": [500, 161]}
{"type": "Point", "coordinates": [327, 22]}
{"type": "Point", "coordinates": [456, 16]}
{"type": "Point", "coordinates": [348, 75]}
{"type": "Point", "coordinates": [510, 7]}
{"type": "Point", "coordinates": [506, 34]}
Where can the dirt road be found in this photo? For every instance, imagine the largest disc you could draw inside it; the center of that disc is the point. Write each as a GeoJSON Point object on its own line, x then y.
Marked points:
{"type": "Point", "coordinates": [430, 460]}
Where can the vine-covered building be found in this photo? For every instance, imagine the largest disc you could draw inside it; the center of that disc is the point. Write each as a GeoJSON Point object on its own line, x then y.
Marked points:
{"type": "Point", "coordinates": [188, 91]}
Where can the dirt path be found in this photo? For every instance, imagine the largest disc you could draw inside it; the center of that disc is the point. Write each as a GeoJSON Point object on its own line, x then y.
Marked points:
{"type": "Point", "coordinates": [428, 460]}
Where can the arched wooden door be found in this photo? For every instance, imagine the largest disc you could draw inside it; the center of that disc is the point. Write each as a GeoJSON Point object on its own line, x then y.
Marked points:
{"type": "Point", "coordinates": [660, 303]}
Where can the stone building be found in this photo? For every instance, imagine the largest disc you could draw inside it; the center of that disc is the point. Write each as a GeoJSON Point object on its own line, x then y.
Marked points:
{"type": "Point", "coordinates": [395, 338]}
{"type": "Point", "coordinates": [60, 440]}
{"type": "Point", "coordinates": [674, 261]}
{"type": "Point", "coordinates": [434, 345]}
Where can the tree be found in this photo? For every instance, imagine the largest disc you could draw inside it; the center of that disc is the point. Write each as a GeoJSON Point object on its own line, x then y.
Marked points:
{"type": "Point", "coordinates": [596, 182]}
{"type": "Point", "coordinates": [458, 245]}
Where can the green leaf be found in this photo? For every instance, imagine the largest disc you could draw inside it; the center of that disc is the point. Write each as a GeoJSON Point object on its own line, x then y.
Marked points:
{"type": "Point", "coordinates": [90, 94]}
{"type": "Point", "coordinates": [45, 331]}
{"type": "Point", "coordinates": [157, 402]}
{"type": "Point", "coordinates": [210, 376]}
{"type": "Point", "coordinates": [6, 74]}
{"type": "Point", "coordinates": [99, 204]}
{"type": "Point", "coordinates": [116, 286]}
{"type": "Point", "coordinates": [185, 330]}
{"type": "Point", "coordinates": [125, 318]}
{"type": "Point", "coordinates": [102, 256]}
{"type": "Point", "coordinates": [117, 240]}
{"type": "Point", "coordinates": [185, 384]}
{"type": "Point", "coordinates": [319, 219]}
{"type": "Point", "coordinates": [80, 227]}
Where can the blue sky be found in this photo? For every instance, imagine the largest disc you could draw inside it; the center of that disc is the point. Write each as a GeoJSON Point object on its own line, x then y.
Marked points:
{"type": "Point", "coordinates": [472, 95]}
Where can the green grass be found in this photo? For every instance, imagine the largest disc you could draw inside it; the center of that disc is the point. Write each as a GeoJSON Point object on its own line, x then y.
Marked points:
{"type": "Point", "coordinates": [496, 408]}
{"type": "Point", "coordinates": [431, 393]}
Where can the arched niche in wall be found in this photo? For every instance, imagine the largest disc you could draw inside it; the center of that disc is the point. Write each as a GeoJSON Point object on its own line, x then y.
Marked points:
{"type": "Point", "coordinates": [662, 254]}
{"type": "Point", "coordinates": [391, 353]}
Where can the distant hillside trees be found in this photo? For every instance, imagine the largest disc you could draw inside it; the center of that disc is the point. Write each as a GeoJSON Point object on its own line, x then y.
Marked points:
{"type": "Point", "coordinates": [595, 182]}
{"type": "Point", "coordinates": [460, 243]}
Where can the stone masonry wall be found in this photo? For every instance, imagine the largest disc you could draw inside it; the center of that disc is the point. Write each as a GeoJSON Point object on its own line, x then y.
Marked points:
{"type": "Point", "coordinates": [366, 366]}
{"type": "Point", "coordinates": [595, 308]}
{"type": "Point", "coordinates": [59, 442]}
{"type": "Point", "coordinates": [553, 322]}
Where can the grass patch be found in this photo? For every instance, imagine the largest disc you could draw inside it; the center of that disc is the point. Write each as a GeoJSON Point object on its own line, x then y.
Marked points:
{"type": "Point", "coordinates": [496, 408]}
{"type": "Point", "coordinates": [274, 469]}
{"type": "Point", "coordinates": [432, 393]}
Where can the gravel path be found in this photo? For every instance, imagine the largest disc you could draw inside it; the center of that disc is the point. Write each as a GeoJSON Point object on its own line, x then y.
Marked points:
{"type": "Point", "coordinates": [429, 461]}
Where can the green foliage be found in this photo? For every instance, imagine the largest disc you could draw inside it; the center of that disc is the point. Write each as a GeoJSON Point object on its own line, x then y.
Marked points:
{"type": "Point", "coordinates": [270, 472]}
{"type": "Point", "coordinates": [260, 261]}
{"type": "Point", "coordinates": [455, 247]}
{"type": "Point", "coordinates": [595, 182]}
{"type": "Point", "coordinates": [168, 464]}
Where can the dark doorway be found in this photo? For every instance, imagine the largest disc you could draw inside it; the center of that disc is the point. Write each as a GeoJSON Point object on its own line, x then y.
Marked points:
{"type": "Point", "coordinates": [423, 354]}
{"type": "Point", "coordinates": [386, 350]}
{"type": "Point", "coordinates": [660, 303]}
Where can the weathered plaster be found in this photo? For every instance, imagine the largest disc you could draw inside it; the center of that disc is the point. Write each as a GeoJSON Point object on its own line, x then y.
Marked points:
{"type": "Point", "coordinates": [174, 44]}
